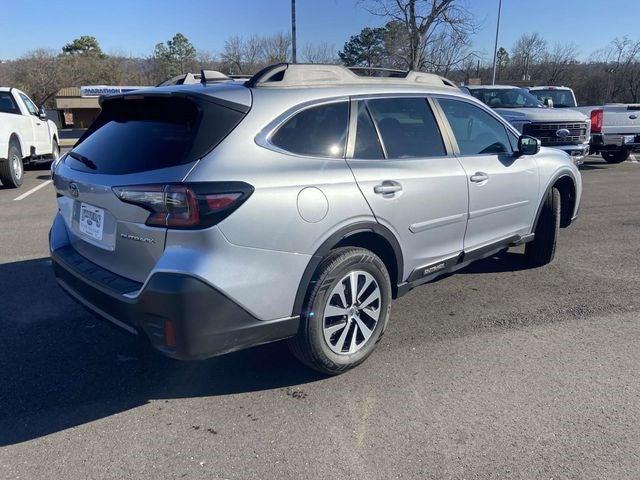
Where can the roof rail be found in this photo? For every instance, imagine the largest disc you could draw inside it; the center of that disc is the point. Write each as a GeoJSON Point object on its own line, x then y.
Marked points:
{"type": "Point", "coordinates": [318, 75]}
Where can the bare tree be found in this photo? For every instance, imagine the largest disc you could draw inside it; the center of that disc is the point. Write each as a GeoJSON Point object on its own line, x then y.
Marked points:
{"type": "Point", "coordinates": [558, 61]}
{"type": "Point", "coordinates": [276, 48]}
{"type": "Point", "coordinates": [37, 73]}
{"type": "Point", "coordinates": [422, 25]}
{"type": "Point", "coordinates": [622, 62]}
{"type": "Point", "coordinates": [529, 51]}
{"type": "Point", "coordinates": [322, 52]}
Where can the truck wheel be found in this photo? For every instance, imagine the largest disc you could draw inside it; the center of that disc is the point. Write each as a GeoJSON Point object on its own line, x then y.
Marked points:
{"type": "Point", "coordinates": [55, 152]}
{"type": "Point", "coordinates": [12, 169]}
{"type": "Point", "coordinates": [542, 249]}
{"type": "Point", "coordinates": [345, 313]}
{"type": "Point", "coordinates": [616, 157]}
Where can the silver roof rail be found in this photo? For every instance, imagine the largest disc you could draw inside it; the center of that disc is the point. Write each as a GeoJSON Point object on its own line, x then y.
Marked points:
{"type": "Point", "coordinates": [317, 75]}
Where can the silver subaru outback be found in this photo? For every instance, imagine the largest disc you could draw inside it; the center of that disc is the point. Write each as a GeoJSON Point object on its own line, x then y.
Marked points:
{"type": "Point", "coordinates": [210, 218]}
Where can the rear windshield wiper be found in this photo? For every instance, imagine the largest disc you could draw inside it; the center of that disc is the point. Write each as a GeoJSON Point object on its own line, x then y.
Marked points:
{"type": "Point", "coordinates": [84, 160]}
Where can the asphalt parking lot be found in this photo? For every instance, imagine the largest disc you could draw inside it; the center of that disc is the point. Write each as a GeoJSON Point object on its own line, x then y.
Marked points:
{"type": "Point", "coordinates": [500, 371]}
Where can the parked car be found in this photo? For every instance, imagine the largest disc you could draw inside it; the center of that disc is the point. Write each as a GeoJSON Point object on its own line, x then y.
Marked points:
{"type": "Point", "coordinates": [210, 218]}
{"type": "Point", "coordinates": [615, 127]}
{"type": "Point", "coordinates": [565, 129]}
{"type": "Point", "coordinates": [26, 136]}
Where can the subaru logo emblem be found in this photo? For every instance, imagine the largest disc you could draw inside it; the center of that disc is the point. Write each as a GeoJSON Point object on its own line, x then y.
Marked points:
{"type": "Point", "coordinates": [633, 116]}
{"type": "Point", "coordinates": [73, 190]}
{"type": "Point", "coordinates": [562, 133]}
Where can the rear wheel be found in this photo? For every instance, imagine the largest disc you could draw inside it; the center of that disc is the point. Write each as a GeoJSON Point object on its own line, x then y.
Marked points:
{"type": "Point", "coordinates": [615, 157]}
{"type": "Point", "coordinates": [12, 169]}
{"type": "Point", "coordinates": [345, 313]}
{"type": "Point", "coordinates": [55, 152]}
{"type": "Point", "coordinates": [542, 249]}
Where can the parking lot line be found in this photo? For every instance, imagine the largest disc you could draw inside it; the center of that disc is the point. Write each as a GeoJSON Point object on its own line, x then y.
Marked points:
{"type": "Point", "coordinates": [34, 189]}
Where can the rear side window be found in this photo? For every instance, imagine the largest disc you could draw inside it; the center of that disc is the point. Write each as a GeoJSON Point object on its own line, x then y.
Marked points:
{"type": "Point", "coordinates": [148, 133]}
{"type": "Point", "coordinates": [7, 104]}
{"type": "Point", "coordinates": [476, 131]}
{"type": "Point", "coordinates": [367, 144]}
{"type": "Point", "coordinates": [319, 131]}
{"type": "Point", "coordinates": [408, 127]}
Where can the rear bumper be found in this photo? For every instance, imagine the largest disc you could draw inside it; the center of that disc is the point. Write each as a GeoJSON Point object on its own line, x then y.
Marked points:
{"type": "Point", "coordinates": [610, 141]}
{"type": "Point", "coordinates": [182, 316]}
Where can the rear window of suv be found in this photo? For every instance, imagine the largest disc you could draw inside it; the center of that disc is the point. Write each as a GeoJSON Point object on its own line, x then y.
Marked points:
{"type": "Point", "coordinates": [147, 133]}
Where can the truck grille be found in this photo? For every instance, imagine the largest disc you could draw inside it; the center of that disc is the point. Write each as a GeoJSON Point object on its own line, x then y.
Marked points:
{"type": "Point", "coordinates": [546, 132]}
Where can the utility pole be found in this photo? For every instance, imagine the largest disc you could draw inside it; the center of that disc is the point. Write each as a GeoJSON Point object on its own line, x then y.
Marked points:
{"type": "Point", "coordinates": [293, 31]}
{"type": "Point", "coordinates": [495, 48]}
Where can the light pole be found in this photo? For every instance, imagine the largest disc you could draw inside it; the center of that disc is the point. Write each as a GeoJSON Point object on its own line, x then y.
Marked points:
{"type": "Point", "coordinates": [293, 31]}
{"type": "Point", "coordinates": [495, 47]}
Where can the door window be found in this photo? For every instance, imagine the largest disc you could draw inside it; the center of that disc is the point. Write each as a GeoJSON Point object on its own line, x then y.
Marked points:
{"type": "Point", "coordinates": [317, 131]}
{"type": "Point", "coordinates": [476, 131]}
{"type": "Point", "coordinates": [367, 144]}
{"type": "Point", "coordinates": [33, 110]}
{"type": "Point", "coordinates": [408, 127]}
{"type": "Point", "coordinates": [7, 104]}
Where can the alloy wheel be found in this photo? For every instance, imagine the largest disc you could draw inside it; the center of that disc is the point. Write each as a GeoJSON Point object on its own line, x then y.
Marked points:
{"type": "Point", "coordinates": [351, 312]}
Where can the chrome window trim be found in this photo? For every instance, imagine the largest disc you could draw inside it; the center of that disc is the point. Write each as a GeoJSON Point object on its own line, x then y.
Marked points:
{"type": "Point", "coordinates": [263, 138]}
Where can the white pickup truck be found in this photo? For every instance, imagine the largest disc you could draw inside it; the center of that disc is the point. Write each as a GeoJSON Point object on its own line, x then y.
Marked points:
{"type": "Point", "coordinates": [566, 129]}
{"type": "Point", "coordinates": [26, 136]}
{"type": "Point", "coordinates": [615, 127]}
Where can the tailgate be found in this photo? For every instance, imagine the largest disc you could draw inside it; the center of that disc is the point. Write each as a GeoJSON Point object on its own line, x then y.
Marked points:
{"type": "Point", "coordinates": [145, 139]}
{"type": "Point", "coordinates": [621, 119]}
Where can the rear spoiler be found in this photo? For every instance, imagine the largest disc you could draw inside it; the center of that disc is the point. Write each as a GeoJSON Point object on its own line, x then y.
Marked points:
{"type": "Point", "coordinates": [179, 92]}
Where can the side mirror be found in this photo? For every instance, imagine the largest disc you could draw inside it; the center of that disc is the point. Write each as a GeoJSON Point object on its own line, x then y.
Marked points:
{"type": "Point", "coordinates": [42, 113]}
{"type": "Point", "coordinates": [528, 145]}
{"type": "Point", "coordinates": [548, 102]}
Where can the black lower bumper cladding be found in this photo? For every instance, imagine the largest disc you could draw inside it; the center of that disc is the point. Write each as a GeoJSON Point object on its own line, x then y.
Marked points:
{"type": "Point", "coordinates": [204, 322]}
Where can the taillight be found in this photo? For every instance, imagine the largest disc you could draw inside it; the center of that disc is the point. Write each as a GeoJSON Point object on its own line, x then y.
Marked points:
{"type": "Point", "coordinates": [186, 206]}
{"type": "Point", "coordinates": [596, 120]}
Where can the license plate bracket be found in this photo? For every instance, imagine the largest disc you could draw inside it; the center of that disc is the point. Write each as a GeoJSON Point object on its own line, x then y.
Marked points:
{"type": "Point", "coordinates": [91, 221]}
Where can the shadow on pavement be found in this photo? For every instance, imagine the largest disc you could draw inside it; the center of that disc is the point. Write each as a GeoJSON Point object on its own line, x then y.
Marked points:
{"type": "Point", "coordinates": [60, 367]}
{"type": "Point", "coordinates": [502, 262]}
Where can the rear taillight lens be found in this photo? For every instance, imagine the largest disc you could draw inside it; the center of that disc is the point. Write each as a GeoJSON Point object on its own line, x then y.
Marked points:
{"type": "Point", "coordinates": [186, 206]}
{"type": "Point", "coordinates": [596, 120]}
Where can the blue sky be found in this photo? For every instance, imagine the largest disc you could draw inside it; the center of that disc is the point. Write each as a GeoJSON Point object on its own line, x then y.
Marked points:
{"type": "Point", "coordinates": [133, 27]}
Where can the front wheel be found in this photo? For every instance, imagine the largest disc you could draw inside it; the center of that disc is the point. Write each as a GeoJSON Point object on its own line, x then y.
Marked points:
{"type": "Point", "coordinates": [346, 311]}
{"type": "Point", "coordinates": [615, 157]}
{"type": "Point", "coordinates": [12, 169]}
{"type": "Point", "coordinates": [542, 249]}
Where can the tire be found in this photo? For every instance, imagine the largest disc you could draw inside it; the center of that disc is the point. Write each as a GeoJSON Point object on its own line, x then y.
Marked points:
{"type": "Point", "coordinates": [55, 154]}
{"type": "Point", "coordinates": [12, 169]}
{"type": "Point", "coordinates": [320, 343]}
{"type": "Point", "coordinates": [542, 249]}
{"type": "Point", "coordinates": [615, 157]}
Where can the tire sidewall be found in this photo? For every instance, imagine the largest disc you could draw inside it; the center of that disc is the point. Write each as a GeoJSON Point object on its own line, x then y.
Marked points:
{"type": "Point", "coordinates": [358, 260]}
{"type": "Point", "coordinates": [616, 157]}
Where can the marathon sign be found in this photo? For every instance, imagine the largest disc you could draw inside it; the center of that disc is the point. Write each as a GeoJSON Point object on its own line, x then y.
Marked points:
{"type": "Point", "coordinates": [100, 90]}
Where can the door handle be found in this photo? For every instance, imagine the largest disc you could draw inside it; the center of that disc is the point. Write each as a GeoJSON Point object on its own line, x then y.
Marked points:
{"type": "Point", "coordinates": [479, 177]}
{"type": "Point", "coordinates": [388, 187]}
